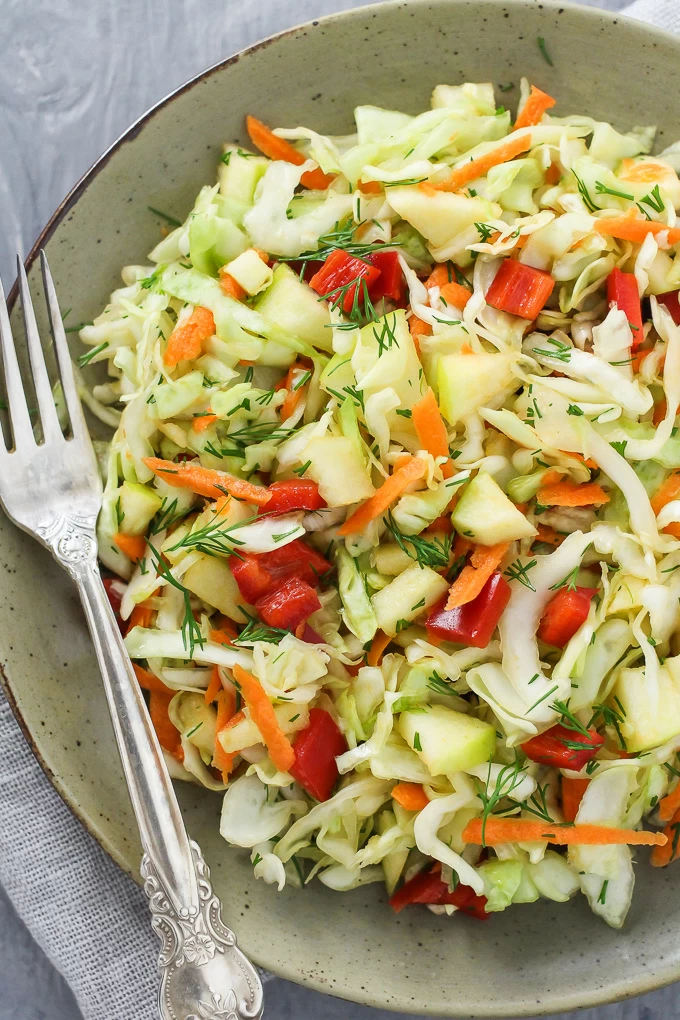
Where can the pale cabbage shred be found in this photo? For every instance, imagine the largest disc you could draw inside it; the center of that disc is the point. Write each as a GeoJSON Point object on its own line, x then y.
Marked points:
{"type": "Point", "coordinates": [564, 386]}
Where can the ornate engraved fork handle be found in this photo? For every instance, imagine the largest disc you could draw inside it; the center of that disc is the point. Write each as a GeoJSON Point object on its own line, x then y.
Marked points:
{"type": "Point", "coordinates": [204, 976]}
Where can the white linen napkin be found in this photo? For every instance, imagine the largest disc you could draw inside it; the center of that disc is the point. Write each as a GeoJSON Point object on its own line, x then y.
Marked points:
{"type": "Point", "coordinates": [89, 918]}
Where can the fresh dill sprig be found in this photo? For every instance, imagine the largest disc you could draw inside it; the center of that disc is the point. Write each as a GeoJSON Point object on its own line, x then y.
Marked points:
{"type": "Point", "coordinates": [484, 231]}
{"type": "Point", "coordinates": [171, 220]}
{"type": "Point", "coordinates": [591, 206]}
{"type": "Point", "coordinates": [428, 553]}
{"type": "Point", "coordinates": [215, 538]}
{"type": "Point", "coordinates": [537, 804]}
{"type": "Point", "coordinates": [544, 50]}
{"type": "Point", "coordinates": [654, 200]}
{"type": "Point", "coordinates": [386, 335]}
{"type": "Point", "coordinates": [569, 720]}
{"type": "Point", "coordinates": [561, 353]}
{"type": "Point", "coordinates": [602, 189]}
{"type": "Point", "coordinates": [255, 630]}
{"type": "Point", "coordinates": [568, 582]}
{"type": "Point", "coordinates": [519, 571]}
{"type": "Point", "coordinates": [191, 632]}
{"type": "Point", "coordinates": [507, 780]}
{"type": "Point", "coordinates": [86, 358]}
{"type": "Point", "coordinates": [610, 717]}
{"type": "Point", "coordinates": [439, 685]}
{"type": "Point", "coordinates": [341, 237]}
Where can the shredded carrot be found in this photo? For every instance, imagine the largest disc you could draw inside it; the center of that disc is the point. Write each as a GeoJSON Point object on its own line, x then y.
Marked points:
{"type": "Point", "coordinates": [669, 804]}
{"type": "Point", "coordinates": [431, 430]}
{"type": "Point", "coordinates": [231, 287]}
{"type": "Point", "coordinates": [461, 547]}
{"type": "Point", "coordinates": [475, 574]}
{"type": "Point", "coordinates": [579, 456]}
{"type": "Point", "coordinates": [293, 396]}
{"type": "Point", "coordinates": [168, 734]}
{"type": "Point", "coordinates": [226, 706]}
{"type": "Point", "coordinates": [524, 830]}
{"type": "Point", "coordinates": [442, 524]}
{"type": "Point", "coordinates": [638, 359]}
{"type": "Point", "coordinates": [572, 494]}
{"type": "Point", "coordinates": [150, 682]}
{"type": "Point", "coordinates": [536, 105]}
{"type": "Point", "coordinates": [280, 749]}
{"type": "Point", "coordinates": [222, 637]}
{"type": "Point", "coordinates": [279, 149]}
{"type": "Point", "coordinates": [411, 796]}
{"type": "Point", "coordinates": [134, 546]}
{"type": "Point", "coordinates": [667, 491]}
{"type": "Point", "coordinates": [474, 168]}
{"type": "Point", "coordinates": [378, 646]}
{"type": "Point", "coordinates": [659, 412]}
{"type": "Point", "coordinates": [553, 174]}
{"type": "Point", "coordinates": [206, 481]}
{"type": "Point", "coordinates": [186, 341]}
{"type": "Point", "coordinates": [551, 476]}
{"type": "Point", "coordinates": [456, 294]}
{"type": "Point", "coordinates": [438, 277]}
{"type": "Point", "coordinates": [214, 687]}
{"type": "Point", "coordinates": [669, 852]}
{"type": "Point", "coordinates": [572, 795]}
{"type": "Point", "coordinates": [412, 470]}
{"type": "Point", "coordinates": [203, 421]}
{"type": "Point", "coordinates": [370, 187]}
{"type": "Point", "coordinates": [141, 616]}
{"type": "Point", "coordinates": [632, 227]}
{"type": "Point", "coordinates": [418, 327]}
{"type": "Point", "coordinates": [548, 535]}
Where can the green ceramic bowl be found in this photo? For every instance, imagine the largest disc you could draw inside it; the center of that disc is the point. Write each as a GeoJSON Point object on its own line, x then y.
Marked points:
{"type": "Point", "coordinates": [533, 959]}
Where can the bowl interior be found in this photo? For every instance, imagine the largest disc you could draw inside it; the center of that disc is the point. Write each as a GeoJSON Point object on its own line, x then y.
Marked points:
{"type": "Point", "coordinates": [534, 959]}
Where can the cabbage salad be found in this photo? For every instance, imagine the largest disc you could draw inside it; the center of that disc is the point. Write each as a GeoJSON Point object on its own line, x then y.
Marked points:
{"type": "Point", "coordinates": [392, 507]}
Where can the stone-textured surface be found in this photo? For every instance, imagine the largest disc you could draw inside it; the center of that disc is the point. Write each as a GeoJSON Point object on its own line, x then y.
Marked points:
{"type": "Point", "coordinates": [73, 75]}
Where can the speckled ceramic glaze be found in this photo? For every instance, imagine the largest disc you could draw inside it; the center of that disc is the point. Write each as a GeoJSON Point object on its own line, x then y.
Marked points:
{"type": "Point", "coordinates": [532, 959]}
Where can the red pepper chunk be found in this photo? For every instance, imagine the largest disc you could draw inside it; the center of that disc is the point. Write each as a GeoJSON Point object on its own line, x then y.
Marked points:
{"type": "Point", "coordinates": [293, 494]}
{"type": "Point", "coordinates": [564, 614]}
{"type": "Point", "coordinates": [670, 300]}
{"type": "Point", "coordinates": [316, 748]}
{"type": "Point", "coordinates": [390, 284]}
{"type": "Point", "coordinates": [339, 270]}
{"type": "Point", "coordinates": [622, 291]}
{"type": "Point", "coordinates": [258, 574]}
{"type": "Point", "coordinates": [473, 623]}
{"type": "Point", "coordinates": [519, 289]}
{"type": "Point", "coordinates": [563, 748]}
{"type": "Point", "coordinates": [427, 887]}
{"type": "Point", "coordinates": [288, 606]}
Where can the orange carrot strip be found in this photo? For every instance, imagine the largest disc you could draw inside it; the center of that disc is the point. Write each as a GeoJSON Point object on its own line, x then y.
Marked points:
{"type": "Point", "coordinates": [632, 227]}
{"type": "Point", "coordinates": [231, 287]}
{"type": "Point", "coordinates": [203, 421]}
{"type": "Point", "coordinates": [548, 535]}
{"type": "Point", "coordinates": [438, 277]}
{"type": "Point", "coordinates": [411, 796]}
{"type": "Point", "coordinates": [572, 795]}
{"type": "Point", "coordinates": [378, 646]}
{"type": "Point", "coordinates": [134, 546]}
{"type": "Point", "coordinates": [551, 476]}
{"type": "Point", "coordinates": [293, 396]}
{"type": "Point", "coordinates": [226, 705]}
{"type": "Point", "coordinates": [206, 481]}
{"type": "Point", "coordinates": [669, 804]}
{"type": "Point", "coordinates": [441, 524]}
{"type": "Point", "coordinates": [280, 749]}
{"type": "Point", "coordinates": [455, 294]}
{"type": "Point", "coordinates": [524, 830]}
{"type": "Point", "coordinates": [186, 341]}
{"type": "Point", "coordinates": [572, 494]}
{"type": "Point", "coordinates": [659, 412]}
{"type": "Point", "coordinates": [475, 574]}
{"type": "Point", "coordinates": [369, 187]}
{"type": "Point", "coordinates": [168, 734]}
{"type": "Point", "coordinates": [579, 456]}
{"type": "Point", "coordinates": [278, 148]}
{"type": "Point", "coordinates": [474, 168]}
{"type": "Point", "coordinates": [663, 855]}
{"type": "Point", "coordinates": [214, 687]}
{"type": "Point", "coordinates": [221, 637]}
{"type": "Point", "coordinates": [667, 491]}
{"type": "Point", "coordinates": [380, 501]}
{"type": "Point", "coordinates": [429, 426]}
{"type": "Point", "coordinates": [418, 327]}
{"type": "Point", "coordinates": [536, 105]}
{"type": "Point", "coordinates": [141, 616]}
{"type": "Point", "coordinates": [150, 682]}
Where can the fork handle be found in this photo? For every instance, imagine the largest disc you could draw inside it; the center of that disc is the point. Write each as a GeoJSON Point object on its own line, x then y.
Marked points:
{"type": "Point", "coordinates": [202, 970]}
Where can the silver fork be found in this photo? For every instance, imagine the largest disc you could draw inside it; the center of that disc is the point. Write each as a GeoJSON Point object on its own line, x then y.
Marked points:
{"type": "Point", "coordinates": [53, 491]}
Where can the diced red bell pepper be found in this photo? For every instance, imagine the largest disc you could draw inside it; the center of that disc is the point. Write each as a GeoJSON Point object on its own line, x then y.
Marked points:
{"type": "Point", "coordinates": [670, 300]}
{"type": "Point", "coordinates": [390, 283]}
{"type": "Point", "coordinates": [309, 635]}
{"type": "Point", "coordinates": [519, 289]}
{"type": "Point", "coordinates": [427, 887]}
{"type": "Point", "coordinates": [564, 614]}
{"type": "Point", "coordinates": [341, 269]}
{"type": "Point", "coordinates": [316, 748]}
{"type": "Point", "coordinates": [257, 574]}
{"type": "Point", "coordinates": [622, 291]}
{"type": "Point", "coordinates": [474, 623]}
{"type": "Point", "coordinates": [563, 748]}
{"type": "Point", "coordinates": [289, 605]}
{"type": "Point", "coordinates": [293, 494]}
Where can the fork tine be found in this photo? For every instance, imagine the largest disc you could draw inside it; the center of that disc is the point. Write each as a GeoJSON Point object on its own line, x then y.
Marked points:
{"type": "Point", "coordinates": [68, 382]}
{"type": "Point", "coordinates": [43, 390]}
{"type": "Point", "coordinates": [22, 429]}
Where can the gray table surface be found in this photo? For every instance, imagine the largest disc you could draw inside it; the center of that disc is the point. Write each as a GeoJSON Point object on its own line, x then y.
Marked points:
{"type": "Point", "coordinates": [73, 75]}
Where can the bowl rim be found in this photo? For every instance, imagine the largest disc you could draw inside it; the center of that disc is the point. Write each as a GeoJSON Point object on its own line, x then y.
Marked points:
{"type": "Point", "coordinates": [595, 996]}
